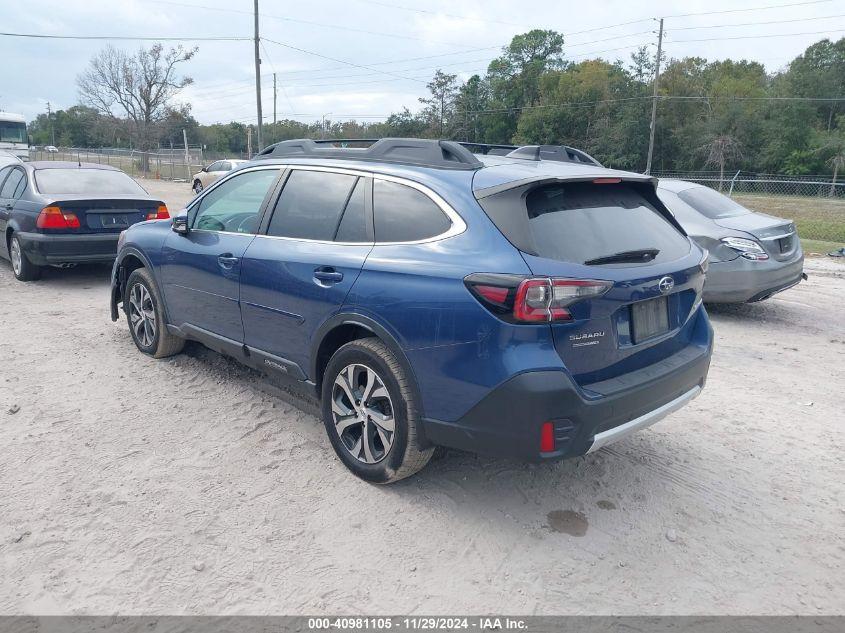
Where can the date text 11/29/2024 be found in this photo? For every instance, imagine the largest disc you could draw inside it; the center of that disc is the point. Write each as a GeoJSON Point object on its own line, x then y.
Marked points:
{"type": "Point", "coordinates": [421, 623]}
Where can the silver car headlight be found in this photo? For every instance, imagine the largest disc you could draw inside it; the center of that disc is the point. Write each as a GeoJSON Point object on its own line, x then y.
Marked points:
{"type": "Point", "coordinates": [749, 249]}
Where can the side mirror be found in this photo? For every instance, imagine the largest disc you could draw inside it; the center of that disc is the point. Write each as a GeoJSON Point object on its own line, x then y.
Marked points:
{"type": "Point", "coordinates": [205, 169]}
{"type": "Point", "coordinates": [180, 225]}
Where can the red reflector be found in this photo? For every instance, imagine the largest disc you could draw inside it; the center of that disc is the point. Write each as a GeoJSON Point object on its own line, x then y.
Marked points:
{"type": "Point", "coordinates": [547, 437]}
{"type": "Point", "coordinates": [606, 181]}
{"type": "Point", "coordinates": [55, 218]}
{"type": "Point", "coordinates": [493, 293]}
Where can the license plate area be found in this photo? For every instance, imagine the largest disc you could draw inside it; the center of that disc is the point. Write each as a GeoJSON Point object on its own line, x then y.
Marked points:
{"type": "Point", "coordinates": [649, 319]}
{"type": "Point", "coordinates": [115, 221]}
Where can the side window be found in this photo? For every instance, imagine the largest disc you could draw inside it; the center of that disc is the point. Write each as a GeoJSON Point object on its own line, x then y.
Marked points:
{"type": "Point", "coordinates": [3, 173]}
{"type": "Point", "coordinates": [225, 166]}
{"type": "Point", "coordinates": [214, 166]}
{"type": "Point", "coordinates": [311, 204]}
{"type": "Point", "coordinates": [403, 214]}
{"type": "Point", "coordinates": [234, 206]}
{"type": "Point", "coordinates": [353, 224]}
{"type": "Point", "coordinates": [14, 185]}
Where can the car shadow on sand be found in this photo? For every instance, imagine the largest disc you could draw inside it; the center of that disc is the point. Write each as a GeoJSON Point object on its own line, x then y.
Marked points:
{"type": "Point", "coordinates": [84, 275]}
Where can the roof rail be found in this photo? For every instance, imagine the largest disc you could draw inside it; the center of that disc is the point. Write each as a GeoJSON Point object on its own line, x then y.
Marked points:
{"type": "Point", "coordinates": [489, 148]}
{"type": "Point", "coordinates": [560, 153]}
{"type": "Point", "coordinates": [404, 151]}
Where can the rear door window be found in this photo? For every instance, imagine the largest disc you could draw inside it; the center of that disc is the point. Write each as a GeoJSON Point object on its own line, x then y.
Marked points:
{"type": "Point", "coordinates": [580, 222]}
{"type": "Point", "coordinates": [14, 185]}
{"type": "Point", "coordinates": [311, 205]}
{"type": "Point", "coordinates": [404, 214]}
{"type": "Point", "coordinates": [710, 203]}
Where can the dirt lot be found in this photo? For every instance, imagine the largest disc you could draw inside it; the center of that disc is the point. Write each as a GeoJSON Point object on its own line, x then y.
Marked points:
{"type": "Point", "coordinates": [192, 485]}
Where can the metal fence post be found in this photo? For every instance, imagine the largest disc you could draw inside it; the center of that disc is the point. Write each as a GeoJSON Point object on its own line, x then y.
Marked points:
{"type": "Point", "coordinates": [733, 181]}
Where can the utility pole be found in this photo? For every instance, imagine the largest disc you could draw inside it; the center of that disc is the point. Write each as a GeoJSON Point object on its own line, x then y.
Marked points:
{"type": "Point", "coordinates": [654, 99]}
{"type": "Point", "coordinates": [274, 99]}
{"type": "Point", "coordinates": [50, 119]}
{"type": "Point", "coordinates": [249, 143]}
{"type": "Point", "coordinates": [187, 156]}
{"type": "Point", "coordinates": [257, 79]}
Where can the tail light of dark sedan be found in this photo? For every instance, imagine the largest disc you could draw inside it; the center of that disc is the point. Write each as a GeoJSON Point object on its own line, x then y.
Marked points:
{"type": "Point", "coordinates": [161, 213]}
{"type": "Point", "coordinates": [56, 218]}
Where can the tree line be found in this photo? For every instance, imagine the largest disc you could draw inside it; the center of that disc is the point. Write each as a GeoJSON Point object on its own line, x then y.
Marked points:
{"type": "Point", "coordinates": [721, 115]}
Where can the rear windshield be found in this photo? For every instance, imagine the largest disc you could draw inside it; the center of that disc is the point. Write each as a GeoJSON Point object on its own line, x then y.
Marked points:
{"type": "Point", "coordinates": [95, 182]}
{"type": "Point", "coordinates": [580, 222]}
{"type": "Point", "coordinates": [710, 203]}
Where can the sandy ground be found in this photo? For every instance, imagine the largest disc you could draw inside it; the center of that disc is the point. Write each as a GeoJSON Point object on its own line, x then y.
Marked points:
{"type": "Point", "coordinates": [192, 485]}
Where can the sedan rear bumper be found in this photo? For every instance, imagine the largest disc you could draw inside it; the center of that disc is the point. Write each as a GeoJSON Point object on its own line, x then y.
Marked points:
{"type": "Point", "coordinates": [44, 249]}
{"type": "Point", "coordinates": [741, 280]}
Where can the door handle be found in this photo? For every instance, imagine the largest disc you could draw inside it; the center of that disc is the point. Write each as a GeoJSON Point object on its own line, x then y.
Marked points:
{"type": "Point", "coordinates": [328, 274]}
{"type": "Point", "coordinates": [227, 261]}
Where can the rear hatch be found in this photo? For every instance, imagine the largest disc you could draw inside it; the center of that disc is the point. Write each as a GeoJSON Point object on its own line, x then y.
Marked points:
{"type": "Point", "coordinates": [614, 231]}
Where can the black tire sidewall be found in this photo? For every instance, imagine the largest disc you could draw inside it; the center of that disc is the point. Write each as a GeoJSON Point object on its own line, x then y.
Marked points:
{"type": "Point", "coordinates": [383, 471]}
{"type": "Point", "coordinates": [137, 277]}
{"type": "Point", "coordinates": [29, 271]}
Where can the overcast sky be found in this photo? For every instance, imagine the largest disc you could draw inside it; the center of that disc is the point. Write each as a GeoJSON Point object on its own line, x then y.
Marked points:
{"type": "Point", "coordinates": [400, 42]}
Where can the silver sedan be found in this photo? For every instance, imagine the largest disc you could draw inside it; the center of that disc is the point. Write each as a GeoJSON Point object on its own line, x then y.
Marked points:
{"type": "Point", "coordinates": [752, 255]}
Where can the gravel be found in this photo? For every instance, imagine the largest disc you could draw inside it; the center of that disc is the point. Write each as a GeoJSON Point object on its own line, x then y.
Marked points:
{"type": "Point", "coordinates": [193, 485]}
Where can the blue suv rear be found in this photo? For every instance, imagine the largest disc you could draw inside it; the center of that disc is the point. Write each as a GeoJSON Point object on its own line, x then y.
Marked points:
{"type": "Point", "coordinates": [428, 296]}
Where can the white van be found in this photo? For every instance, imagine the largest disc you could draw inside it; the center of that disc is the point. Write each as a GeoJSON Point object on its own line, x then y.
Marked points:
{"type": "Point", "coordinates": [13, 136]}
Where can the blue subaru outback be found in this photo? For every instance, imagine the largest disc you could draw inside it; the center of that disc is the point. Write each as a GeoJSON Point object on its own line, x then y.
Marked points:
{"type": "Point", "coordinates": [431, 296]}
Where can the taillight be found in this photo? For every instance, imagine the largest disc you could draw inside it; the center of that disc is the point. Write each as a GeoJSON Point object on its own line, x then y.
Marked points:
{"type": "Point", "coordinates": [533, 299]}
{"type": "Point", "coordinates": [55, 218]}
{"type": "Point", "coordinates": [161, 213]}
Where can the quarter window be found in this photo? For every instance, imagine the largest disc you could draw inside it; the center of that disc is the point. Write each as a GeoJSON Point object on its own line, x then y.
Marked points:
{"type": "Point", "coordinates": [234, 206]}
{"type": "Point", "coordinates": [404, 214]}
{"type": "Point", "coordinates": [311, 205]}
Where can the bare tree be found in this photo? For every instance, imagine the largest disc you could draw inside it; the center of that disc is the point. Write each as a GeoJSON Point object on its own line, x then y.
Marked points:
{"type": "Point", "coordinates": [139, 86]}
{"type": "Point", "coordinates": [720, 150]}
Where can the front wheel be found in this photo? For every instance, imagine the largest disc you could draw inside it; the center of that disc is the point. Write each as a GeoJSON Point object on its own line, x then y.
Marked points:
{"type": "Point", "coordinates": [24, 269]}
{"type": "Point", "coordinates": [197, 187]}
{"type": "Point", "coordinates": [370, 413]}
{"type": "Point", "coordinates": [145, 314]}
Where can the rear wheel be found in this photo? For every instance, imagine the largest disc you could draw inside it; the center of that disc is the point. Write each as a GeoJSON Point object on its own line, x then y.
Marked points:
{"type": "Point", "coordinates": [197, 186]}
{"type": "Point", "coordinates": [145, 314]}
{"type": "Point", "coordinates": [370, 413]}
{"type": "Point", "coordinates": [24, 269]}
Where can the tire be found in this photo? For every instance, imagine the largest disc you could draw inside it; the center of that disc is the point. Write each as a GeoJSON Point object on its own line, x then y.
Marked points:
{"type": "Point", "coordinates": [145, 316]}
{"type": "Point", "coordinates": [197, 187]}
{"type": "Point", "coordinates": [349, 417]}
{"type": "Point", "coordinates": [23, 269]}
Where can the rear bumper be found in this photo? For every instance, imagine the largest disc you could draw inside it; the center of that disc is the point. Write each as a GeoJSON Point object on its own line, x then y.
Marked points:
{"type": "Point", "coordinates": [741, 280]}
{"type": "Point", "coordinates": [44, 249]}
{"type": "Point", "coordinates": [508, 421]}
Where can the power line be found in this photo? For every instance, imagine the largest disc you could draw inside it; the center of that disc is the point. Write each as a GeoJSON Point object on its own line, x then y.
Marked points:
{"type": "Point", "coordinates": [335, 59]}
{"type": "Point", "coordinates": [754, 37]}
{"type": "Point", "coordinates": [721, 26]}
{"type": "Point", "coordinates": [127, 38]}
{"type": "Point", "coordinates": [745, 10]}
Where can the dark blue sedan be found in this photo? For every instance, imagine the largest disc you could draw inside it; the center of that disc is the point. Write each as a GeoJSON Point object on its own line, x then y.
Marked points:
{"type": "Point", "coordinates": [55, 213]}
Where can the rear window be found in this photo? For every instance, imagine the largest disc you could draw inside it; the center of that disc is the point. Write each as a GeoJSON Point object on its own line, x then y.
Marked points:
{"type": "Point", "coordinates": [711, 203]}
{"type": "Point", "coordinates": [94, 182]}
{"type": "Point", "coordinates": [579, 222]}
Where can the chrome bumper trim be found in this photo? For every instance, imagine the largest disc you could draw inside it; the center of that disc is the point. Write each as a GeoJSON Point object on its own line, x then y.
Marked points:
{"type": "Point", "coordinates": [617, 433]}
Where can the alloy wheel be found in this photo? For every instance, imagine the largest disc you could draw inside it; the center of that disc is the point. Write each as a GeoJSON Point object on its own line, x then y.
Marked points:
{"type": "Point", "coordinates": [16, 255]}
{"type": "Point", "coordinates": [142, 314]}
{"type": "Point", "coordinates": [197, 187]}
{"type": "Point", "coordinates": [363, 413]}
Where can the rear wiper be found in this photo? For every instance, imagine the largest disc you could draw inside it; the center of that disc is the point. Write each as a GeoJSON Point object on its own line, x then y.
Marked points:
{"type": "Point", "coordinates": [640, 255]}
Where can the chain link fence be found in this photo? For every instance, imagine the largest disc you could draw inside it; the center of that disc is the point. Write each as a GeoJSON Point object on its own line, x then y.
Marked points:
{"type": "Point", "coordinates": [165, 164]}
{"type": "Point", "coordinates": [749, 183]}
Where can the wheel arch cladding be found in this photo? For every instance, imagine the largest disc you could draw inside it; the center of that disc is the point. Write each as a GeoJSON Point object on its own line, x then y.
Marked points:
{"type": "Point", "coordinates": [343, 328]}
